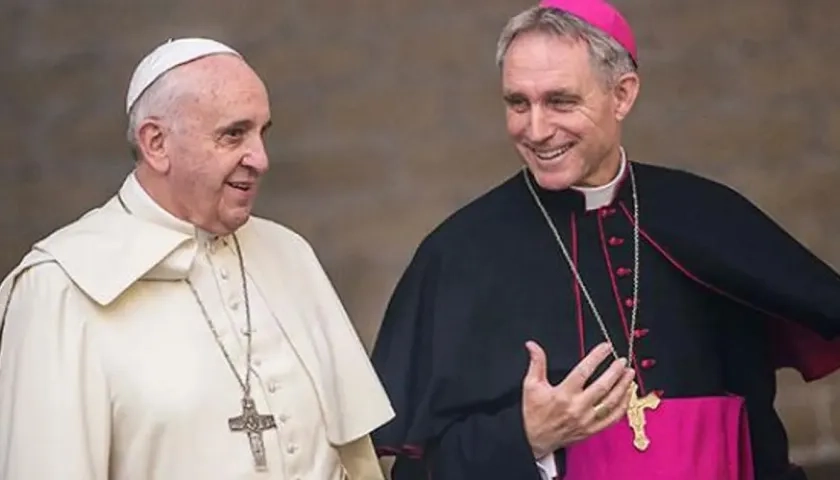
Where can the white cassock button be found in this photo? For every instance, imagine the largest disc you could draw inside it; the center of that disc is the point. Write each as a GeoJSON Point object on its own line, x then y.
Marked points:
{"type": "Point", "coordinates": [257, 362]}
{"type": "Point", "coordinates": [234, 304]}
{"type": "Point", "coordinates": [224, 273]}
{"type": "Point", "coordinates": [282, 418]}
{"type": "Point", "coordinates": [273, 386]}
{"type": "Point", "coordinates": [291, 449]}
{"type": "Point", "coordinates": [245, 332]}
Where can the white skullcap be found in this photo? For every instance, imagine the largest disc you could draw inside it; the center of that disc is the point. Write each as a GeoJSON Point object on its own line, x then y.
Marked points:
{"type": "Point", "coordinates": [166, 57]}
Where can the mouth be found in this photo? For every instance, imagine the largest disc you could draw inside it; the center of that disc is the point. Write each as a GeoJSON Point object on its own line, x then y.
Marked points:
{"type": "Point", "coordinates": [242, 186]}
{"type": "Point", "coordinates": [549, 155]}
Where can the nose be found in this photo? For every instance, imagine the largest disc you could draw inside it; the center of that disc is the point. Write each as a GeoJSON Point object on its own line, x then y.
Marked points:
{"type": "Point", "coordinates": [539, 128]}
{"type": "Point", "coordinates": [257, 158]}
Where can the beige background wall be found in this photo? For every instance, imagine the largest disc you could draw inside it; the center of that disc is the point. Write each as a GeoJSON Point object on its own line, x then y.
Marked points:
{"type": "Point", "coordinates": [387, 117]}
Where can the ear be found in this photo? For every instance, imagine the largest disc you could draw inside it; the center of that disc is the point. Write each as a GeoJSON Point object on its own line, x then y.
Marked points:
{"type": "Point", "coordinates": [151, 141]}
{"type": "Point", "coordinates": [625, 92]}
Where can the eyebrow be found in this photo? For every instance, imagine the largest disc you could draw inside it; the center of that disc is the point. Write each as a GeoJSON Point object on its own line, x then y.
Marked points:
{"type": "Point", "coordinates": [267, 125]}
{"type": "Point", "coordinates": [238, 124]}
{"type": "Point", "coordinates": [244, 125]}
{"type": "Point", "coordinates": [562, 93]}
{"type": "Point", "coordinates": [513, 95]}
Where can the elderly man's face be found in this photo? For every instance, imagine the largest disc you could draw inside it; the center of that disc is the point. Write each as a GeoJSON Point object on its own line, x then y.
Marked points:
{"type": "Point", "coordinates": [216, 151]}
{"type": "Point", "coordinates": [560, 115]}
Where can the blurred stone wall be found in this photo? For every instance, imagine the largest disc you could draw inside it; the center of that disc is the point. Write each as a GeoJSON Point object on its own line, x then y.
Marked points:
{"type": "Point", "coordinates": [387, 117]}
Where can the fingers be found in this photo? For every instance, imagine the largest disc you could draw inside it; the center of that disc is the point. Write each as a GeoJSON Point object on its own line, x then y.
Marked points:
{"type": "Point", "coordinates": [537, 368]}
{"type": "Point", "coordinates": [579, 375]}
{"type": "Point", "coordinates": [603, 385]}
{"type": "Point", "coordinates": [616, 402]}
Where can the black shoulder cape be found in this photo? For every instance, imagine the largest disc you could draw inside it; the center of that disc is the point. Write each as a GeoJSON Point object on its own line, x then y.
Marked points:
{"type": "Point", "coordinates": [448, 345]}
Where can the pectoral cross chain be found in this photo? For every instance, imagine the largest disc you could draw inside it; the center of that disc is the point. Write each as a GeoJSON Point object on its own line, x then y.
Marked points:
{"type": "Point", "coordinates": [636, 416]}
{"type": "Point", "coordinates": [254, 424]}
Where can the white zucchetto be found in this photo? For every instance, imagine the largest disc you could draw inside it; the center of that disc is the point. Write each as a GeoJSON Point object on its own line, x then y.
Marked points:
{"type": "Point", "coordinates": [166, 57]}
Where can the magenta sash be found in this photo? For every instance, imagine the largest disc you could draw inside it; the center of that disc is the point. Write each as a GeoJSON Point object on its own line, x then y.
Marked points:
{"type": "Point", "coordinates": [690, 439]}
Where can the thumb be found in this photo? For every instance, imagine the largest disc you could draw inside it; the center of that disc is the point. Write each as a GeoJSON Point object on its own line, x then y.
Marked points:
{"type": "Point", "coordinates": [537, 370]}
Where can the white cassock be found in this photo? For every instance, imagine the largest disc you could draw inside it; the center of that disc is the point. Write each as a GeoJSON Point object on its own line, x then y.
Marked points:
{"type": "Point", "coordinates": [110, 371]}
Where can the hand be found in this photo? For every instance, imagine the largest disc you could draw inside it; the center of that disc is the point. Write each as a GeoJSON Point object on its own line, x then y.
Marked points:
{"type": "Point", "coordinates": [556, 416]}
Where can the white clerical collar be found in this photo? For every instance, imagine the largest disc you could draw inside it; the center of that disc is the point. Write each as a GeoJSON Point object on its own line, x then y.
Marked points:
{"type": "Point", "coordinates": [140, 203]}
{"type": "Point", "coordinates": [601, 196]}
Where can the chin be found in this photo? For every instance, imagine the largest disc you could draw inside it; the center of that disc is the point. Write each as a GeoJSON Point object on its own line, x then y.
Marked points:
{"type": "Point", "coordinates": [235, 220]}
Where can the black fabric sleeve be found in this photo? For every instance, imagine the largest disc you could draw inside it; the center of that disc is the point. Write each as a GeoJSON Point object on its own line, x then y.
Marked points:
{"type": "Point", "coordinates": [480, 446]}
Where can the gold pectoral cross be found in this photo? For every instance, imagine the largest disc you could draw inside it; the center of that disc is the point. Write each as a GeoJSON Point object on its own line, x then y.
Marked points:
{"type": "Point", "coordinates": [254, 424]}
{"type": "Point", "coordinates": [636, 415]}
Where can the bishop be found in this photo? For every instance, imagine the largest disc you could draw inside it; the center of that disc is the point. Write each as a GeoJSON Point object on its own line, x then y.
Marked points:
{"type": "Point", "coordinates": [491, 347]}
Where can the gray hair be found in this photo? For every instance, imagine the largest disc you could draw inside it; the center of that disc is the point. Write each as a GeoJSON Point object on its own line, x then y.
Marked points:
{"type": "Point", "coordinates": [159, 100]}
{"type": "Point", "coordinates": [607, 55]}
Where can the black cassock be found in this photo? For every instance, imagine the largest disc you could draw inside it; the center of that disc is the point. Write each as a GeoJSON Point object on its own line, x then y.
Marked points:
{"type": "Point", "coordinates": [725, 298]}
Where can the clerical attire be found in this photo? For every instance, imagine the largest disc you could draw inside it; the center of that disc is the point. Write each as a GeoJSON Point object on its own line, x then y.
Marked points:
{"type": "Point", "coordinates": [141, 329]}
{"type": "Point", "coordinates": [719, 294]}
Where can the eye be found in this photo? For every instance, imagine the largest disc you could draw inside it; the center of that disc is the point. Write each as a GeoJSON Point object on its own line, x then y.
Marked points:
{"type": "Point", "coordinates": [233, 134]}
{"type": "Point", "coordinates": [517, 104]}
{"type": "Point", "coordinates": [561, 103]}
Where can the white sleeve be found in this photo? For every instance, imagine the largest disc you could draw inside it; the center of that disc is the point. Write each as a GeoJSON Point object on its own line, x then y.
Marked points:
{"type": "Point", "coordinates": [547, 467]}
{"type": "Point", "coordinates": [54, 405]}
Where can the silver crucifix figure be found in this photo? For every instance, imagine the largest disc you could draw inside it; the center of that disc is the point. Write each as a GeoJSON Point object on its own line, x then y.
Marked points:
{"type": "Point", "coordinates": [254, 424]}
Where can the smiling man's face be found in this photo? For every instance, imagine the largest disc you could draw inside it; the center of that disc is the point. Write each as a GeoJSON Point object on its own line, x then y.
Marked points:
{"type": "Point", "coordinates": [561, 116]}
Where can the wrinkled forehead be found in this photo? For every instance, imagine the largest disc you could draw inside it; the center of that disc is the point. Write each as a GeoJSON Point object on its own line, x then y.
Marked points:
{"type": "Point", "coordinates": [538, 61]}
{"type": "Point", "coordinates": [225, 86]}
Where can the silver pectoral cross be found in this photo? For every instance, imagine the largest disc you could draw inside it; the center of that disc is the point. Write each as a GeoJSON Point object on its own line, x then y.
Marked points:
{"type": "Point", "coordinates": [254, 424]}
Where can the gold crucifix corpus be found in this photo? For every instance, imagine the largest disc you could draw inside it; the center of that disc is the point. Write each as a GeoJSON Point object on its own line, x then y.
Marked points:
{"type": "Point", "coordinates": [636, 415]}
{"type": "Point", "coordinates": [254, 424]}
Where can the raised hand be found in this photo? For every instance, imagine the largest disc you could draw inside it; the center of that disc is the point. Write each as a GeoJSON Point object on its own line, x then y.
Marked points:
{"type": "Point", "coordinates": [558, 415]}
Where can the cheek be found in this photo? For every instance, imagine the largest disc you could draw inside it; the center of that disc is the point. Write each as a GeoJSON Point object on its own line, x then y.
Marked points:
{"type": "Point", "coordinates": [215, 169]}
{"type": "Point", "coordinates": [516, 123]}
{"type": "Point", "coordinates": [183, 171]}
{"type": "Point", "coordinates": [600, 120]}
{"type": "Point", "coordinates": [578, 123]}
{"type": "Point", "coordinates": [199, 177]}
{"type": "Point", "coordinates": [231, 163]}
